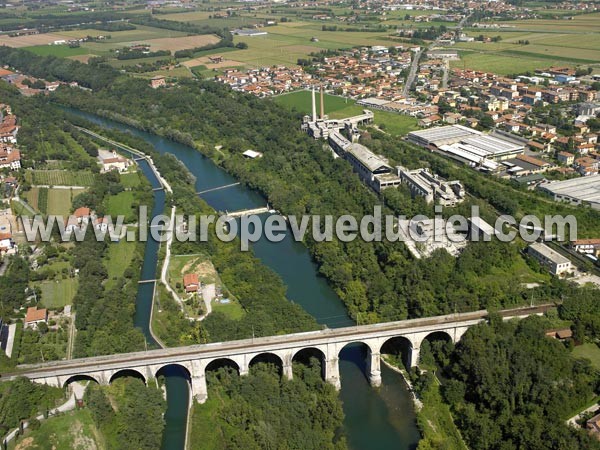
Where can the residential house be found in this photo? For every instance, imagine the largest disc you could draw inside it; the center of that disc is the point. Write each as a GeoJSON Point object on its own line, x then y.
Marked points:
{"type": "Point", "coordinates": [190, 282]}
{"type": "Point", "coordinates": [565, 158]}
{"type": "Point", "coordinates": [35, 316]}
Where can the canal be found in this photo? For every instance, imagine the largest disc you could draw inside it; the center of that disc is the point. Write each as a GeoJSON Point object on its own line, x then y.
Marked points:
{"type": "Point", "coordinates": [376, 419]}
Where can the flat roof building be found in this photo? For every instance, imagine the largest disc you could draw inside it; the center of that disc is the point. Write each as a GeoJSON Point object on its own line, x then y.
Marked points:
{"type": "Point", "coordinates": [438, 136]}
{"type": "Point", "coordinates": [425, 184]}
{"type": "Point", "coordinates": [371, 168]}
{"type": "Point", "coordinates": [471, 147]}
{"type": "Point", "coordinates": [583, 190]}
{"type": "Point", "coordinates": [556, 263]}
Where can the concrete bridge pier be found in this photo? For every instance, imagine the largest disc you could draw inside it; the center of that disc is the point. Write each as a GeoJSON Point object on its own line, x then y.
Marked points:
{"type": "Point", "coordinates": [288, 371]}
{"type": "Point", "coordinates": [332, 372]}
{"type": "Point", "coordinates": [198, 381]}
{"type": "Point", "coordinates": [413, 357]}
{"type": "Point", "coordinates": [373, 368]}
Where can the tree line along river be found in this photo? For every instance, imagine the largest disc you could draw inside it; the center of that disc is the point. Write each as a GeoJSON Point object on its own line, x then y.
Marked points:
{"type": "Point", "coordinates": [375, 419]}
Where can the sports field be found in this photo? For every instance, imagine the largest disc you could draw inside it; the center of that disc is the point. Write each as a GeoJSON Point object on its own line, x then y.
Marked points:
{"type": "Point", "coordinates": [339, 107]}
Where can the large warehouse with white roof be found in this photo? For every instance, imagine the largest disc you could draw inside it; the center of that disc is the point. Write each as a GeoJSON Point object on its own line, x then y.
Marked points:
{"type": "Point", "coordinates": [584, 190]}
{"type": "Point", "coordinates": [468, 146]}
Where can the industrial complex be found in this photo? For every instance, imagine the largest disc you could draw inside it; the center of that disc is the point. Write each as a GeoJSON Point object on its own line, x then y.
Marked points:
{"type": "Point", "coordinates": [478, 150]}
{"type": "Point", "coordinates": [375, 170]}
{"type": "Point", "coordinates": [434, 188]}
{"type": "Point", "coordinates": [577, 191]}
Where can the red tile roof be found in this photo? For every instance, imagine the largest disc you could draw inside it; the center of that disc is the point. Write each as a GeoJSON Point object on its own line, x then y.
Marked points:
{"type": "Point", "coordinates": [190, 278]}
{"type": "Point", "coordinates": [34, 314]}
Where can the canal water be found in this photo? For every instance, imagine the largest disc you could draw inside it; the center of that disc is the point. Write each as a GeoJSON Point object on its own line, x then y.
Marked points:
{"type": "Point", "coordinates": [376, 419]}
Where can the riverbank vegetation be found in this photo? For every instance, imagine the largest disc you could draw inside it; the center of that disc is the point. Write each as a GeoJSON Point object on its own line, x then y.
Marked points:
{"type": "Point", "coordinates": [21, 399]}
{"type": "Point", "coordinates": [72, 430]}
{"type": "Point", "coordinates": [258, 289]}
{"type": "Point", "coordinates": [511, 386]}
{"type": "Point", "coordinates": [379, 281]}
{"type": "Point", "coordinates": [128, 414]}
{"type": "Point", "coordinates": [265, 410]}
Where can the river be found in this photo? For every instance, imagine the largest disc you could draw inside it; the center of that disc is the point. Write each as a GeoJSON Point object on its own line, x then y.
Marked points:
{"type": "Point", "coordinates": [376, 419]}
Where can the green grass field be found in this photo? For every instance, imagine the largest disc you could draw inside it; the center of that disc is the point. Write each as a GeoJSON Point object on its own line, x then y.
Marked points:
{"type": "Point", "coordinates": [338, 107]}
{"type": "Point", "coordinates": [120, 255]}
{"type": "Point", "coordinates": [590, 351]}
{"type": "Point", "coordinates": [62, 51]}
{"type": "Point", "coordinates": [60, 177]}
{"type": "Point", "coordinates": [130, 179]}
{"type": "Point", "coordinates": [232, 310]}
{"type": "Point", "coordinates": [56, 294]}
{"type": "Point", "coordinates": [73, 430]}
{"type": "Point", "coordinates": [120, 204]}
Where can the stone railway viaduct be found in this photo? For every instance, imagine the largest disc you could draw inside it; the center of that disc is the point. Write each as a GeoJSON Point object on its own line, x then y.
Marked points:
{"type": "Point", "coordinates": [282, 350]}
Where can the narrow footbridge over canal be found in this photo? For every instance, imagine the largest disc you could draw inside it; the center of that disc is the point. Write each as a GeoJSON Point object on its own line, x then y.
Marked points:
{"type": "Point", "coordinates": [282, 350]}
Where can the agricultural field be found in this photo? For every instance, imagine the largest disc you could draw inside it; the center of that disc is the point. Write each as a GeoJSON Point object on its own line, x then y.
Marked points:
{"type": "Point", "coordinates": [288, 42]}
{"type": "Point", "coordinates": [141, 34]}
{"type": "Point", "coordinates": [551, 42]}
{"type": "Point", "coordinates": [62, 51]}
{"type": "Point", "coordinates": [52, 201]}
{"type": "Point", "coordinates": [339, 107]}
{"type": "Point", "coordinates": [32, 40]}
{"type": "Point", "coordinates": [59, 178]}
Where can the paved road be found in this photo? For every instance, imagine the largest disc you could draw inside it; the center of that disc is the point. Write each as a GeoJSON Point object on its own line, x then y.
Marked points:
{"type": "Point", "coordinates": [415, 63]}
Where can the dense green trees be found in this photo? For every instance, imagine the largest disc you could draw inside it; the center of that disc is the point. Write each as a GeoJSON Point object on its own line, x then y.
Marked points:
{"type": "Point", "coordinates": [104, 317]}
{"type": "Point", "coordinates": [13, 285]}
{"type": "Point", "coordinates": [264, 410]}
{"type": "Point", "coordinates": [512, 387]}
{"type": "Point", "coordinates": [129, 414]}
{"type": "Point", "coordinates": [379, 281]}
{"type": "Point", "coordinates": [22, 399]}
{"type": "Point", "coordinates": [53, 68]}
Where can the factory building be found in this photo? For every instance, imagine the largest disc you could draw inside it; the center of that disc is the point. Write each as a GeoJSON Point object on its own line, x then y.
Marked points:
{"type": "Point", "coordinates": [435, 189]}
{"type": "Point", "coordinates": [577, 191]}
{"type": "Point", "coordinates": [556, 263]}
{"type": "Point", "coordinates": [319, 127]}
{"type": "Point", "coordinates": [470, 147]}
{"type": "Point", "coordinates": [373, 169]}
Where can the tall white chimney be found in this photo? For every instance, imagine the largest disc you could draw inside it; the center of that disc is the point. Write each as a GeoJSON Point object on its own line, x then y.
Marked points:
{"type": "Point", "coordinates": [314, 106]}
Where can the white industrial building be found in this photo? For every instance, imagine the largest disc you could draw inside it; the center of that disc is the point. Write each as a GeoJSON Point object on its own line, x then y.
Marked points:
{"type": "Point", "coordinates": [371, 168]}
{"type": "Point", "coordinates": [556, 263]}
{"type": "Point", "coordinates": [434, 188]}
{"type": "Point", "coordinates": [577, 191]}
{"type": "Point", "coordinates": [471, 147]}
